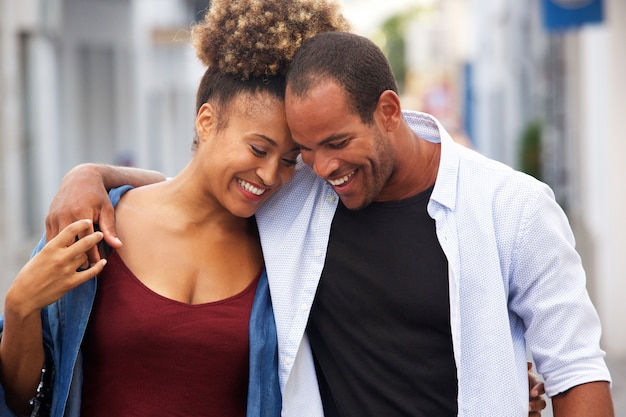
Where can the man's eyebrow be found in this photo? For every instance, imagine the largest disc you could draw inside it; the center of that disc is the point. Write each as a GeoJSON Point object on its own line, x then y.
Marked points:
{"type": "Point", "coordinates": [326, 140]}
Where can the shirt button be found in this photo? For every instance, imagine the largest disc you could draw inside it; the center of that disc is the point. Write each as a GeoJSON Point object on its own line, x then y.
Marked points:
{"type": "Point", "coordinates": [317, 252]}
{"type": "Point", "coordinates": [331, 198]}
{"type": "Point", "coordinates": [288, 361]}
{"type": "Point", "coordinates": [304, 307]}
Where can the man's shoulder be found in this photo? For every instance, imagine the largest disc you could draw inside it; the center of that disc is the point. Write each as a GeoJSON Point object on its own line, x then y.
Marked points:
{"type": "Point", "coordinates": [480, 168]}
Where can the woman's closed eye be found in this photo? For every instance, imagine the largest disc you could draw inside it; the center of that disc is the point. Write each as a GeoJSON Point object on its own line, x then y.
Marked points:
{"type": "Point", "coordinates": [257, 151]}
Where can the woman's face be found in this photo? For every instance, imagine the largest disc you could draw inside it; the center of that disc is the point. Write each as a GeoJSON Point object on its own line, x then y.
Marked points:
{"type": "Point", "coordinates": [249, 155]}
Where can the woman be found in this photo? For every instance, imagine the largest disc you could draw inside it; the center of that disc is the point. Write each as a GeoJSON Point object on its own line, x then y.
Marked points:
{"type": "Point", "coordinates": [181, 323]}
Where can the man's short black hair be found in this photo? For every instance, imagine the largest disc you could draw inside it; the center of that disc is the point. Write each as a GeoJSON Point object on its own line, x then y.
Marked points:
{"type": "Point", "coordinates": [353, 61]}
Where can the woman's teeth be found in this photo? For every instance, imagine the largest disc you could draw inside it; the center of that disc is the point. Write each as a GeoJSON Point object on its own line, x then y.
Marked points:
{"type": "Point", "coordinates": [250, 188]}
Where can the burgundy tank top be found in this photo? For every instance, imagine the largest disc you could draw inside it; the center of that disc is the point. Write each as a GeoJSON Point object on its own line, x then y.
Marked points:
{"type": "Point", "coordinates": [147, 355]}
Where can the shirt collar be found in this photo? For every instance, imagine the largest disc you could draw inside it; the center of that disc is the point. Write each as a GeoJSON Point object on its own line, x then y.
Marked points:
{"type": "Point", "coordinates": [428, 128]}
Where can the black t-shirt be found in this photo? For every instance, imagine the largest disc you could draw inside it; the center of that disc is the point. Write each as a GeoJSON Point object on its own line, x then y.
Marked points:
{"type": "Point", "coordinates": [380, 324]}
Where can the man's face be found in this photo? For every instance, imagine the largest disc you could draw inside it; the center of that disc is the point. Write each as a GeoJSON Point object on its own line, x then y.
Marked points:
{"type": "Point", "coordinates": [354, 157]}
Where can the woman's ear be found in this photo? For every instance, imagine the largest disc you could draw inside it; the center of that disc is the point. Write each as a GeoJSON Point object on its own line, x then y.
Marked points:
{"type": "Point", "coordinates": [389, 109]}
{"type": "Point", "coordinates": [206, 120]}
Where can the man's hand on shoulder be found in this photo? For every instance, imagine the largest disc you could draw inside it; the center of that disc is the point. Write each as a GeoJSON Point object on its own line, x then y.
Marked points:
{"type": "Point", "coordinates": [82, 195]}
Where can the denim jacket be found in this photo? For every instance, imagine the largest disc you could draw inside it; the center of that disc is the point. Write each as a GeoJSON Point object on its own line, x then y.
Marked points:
{"type": "Point", "coordinates": [64, 323]}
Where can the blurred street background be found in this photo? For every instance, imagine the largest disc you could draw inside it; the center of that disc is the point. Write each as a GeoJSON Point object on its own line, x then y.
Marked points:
{"type": "Point", "coordinates": [537, 84]}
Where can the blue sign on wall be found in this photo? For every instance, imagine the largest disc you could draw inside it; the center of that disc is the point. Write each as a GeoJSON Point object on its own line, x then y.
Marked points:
{"type": "Point", "coordinates": [561, 15]}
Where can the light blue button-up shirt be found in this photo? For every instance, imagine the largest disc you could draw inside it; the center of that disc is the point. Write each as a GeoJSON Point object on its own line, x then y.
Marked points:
{"type": "Point", "coordinates": [515, 279]}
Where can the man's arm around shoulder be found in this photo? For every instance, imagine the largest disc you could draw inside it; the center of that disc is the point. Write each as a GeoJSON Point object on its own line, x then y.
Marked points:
{"type": "Point", "coordinates": [84, 195]}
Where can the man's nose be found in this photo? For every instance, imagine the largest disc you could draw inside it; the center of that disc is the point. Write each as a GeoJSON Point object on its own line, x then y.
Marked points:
{"type": "Point", "coordinates": [322, 163]}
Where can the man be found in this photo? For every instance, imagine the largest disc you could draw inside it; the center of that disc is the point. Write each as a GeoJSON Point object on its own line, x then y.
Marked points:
{"type": "Point", "coordinates": [420, 291]}
{"type": "Point", "coordinates": [475, 259]}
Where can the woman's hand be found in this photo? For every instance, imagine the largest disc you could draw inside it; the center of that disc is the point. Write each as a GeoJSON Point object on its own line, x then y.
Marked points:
{"type": "Point", "coordinates": [45, 278]}
{"type": "Point", "coordinates": [56, 269]}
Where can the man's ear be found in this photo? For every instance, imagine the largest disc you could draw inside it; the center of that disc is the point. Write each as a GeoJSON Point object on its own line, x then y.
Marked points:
{"type": "Point", "coordinates": [206, 120]}
{"type": "Point", "coordinates": [389, 109]}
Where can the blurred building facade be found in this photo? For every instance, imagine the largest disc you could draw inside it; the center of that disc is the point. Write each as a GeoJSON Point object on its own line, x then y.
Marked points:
{"type": "Point", "coordinates": [114, 81]}
{"type": "Point", "coordinates": [109, 81]}
{"type": "Point", "coordinates": [572, 83]}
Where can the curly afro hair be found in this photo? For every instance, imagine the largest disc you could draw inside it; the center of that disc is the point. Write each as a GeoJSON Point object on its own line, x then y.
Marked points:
{"type": "Point", "coordinates": [258, 38]}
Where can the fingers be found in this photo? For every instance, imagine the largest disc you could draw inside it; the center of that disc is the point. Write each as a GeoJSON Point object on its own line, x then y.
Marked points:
{"type": "Point", "coordinates": [88, 242]}
{"type": "Point", "coordinates": [86, 274]}
{"type": "Point", "coordinates": [537, 406]}
{"type": "Point", "coordinates": [107, 226]}
{"type": "Point", "coordinates": [533, 378]}
{"type": "Point", "coordinates": [93, 255]}
{"type": "Point", "coordinates": [56, 222]}
{"type": "Point", "coordinates": [82, 195]}
{"type": "Point", "coordinates": [52, 228]}
{"type": "Point", "coordinates": [537, 390]}
{"type": "Point", "coordinates": [67, 236]}
{"type": "Point", "coordinates": [80, 243]}
{"type": "Point", "coordinates": [536, 401]}
{"type": "Point", "coordinates": [82, 232]}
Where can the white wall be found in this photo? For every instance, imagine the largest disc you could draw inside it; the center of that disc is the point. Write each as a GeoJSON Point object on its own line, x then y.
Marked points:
{"type": "Point", "coordinates": [613, 290]}
{"type": "Point", "coordinates": [15, 243]}
{"type": "Point", "coordinates": [597, 170]}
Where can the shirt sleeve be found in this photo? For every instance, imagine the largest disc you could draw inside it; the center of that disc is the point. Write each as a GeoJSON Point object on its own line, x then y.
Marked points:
{"type": "Point", "coordinates": [548, 292]}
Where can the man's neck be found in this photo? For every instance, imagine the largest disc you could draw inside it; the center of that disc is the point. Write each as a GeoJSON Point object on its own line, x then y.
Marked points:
{"type": "Point", "coordinates": [416, 168]}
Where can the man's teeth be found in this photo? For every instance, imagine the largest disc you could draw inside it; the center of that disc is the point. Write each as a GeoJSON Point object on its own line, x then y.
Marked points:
{"type": "Point", "coordinates": [342, 180]}
{"type": "Point", "coordinates": [250, 188]}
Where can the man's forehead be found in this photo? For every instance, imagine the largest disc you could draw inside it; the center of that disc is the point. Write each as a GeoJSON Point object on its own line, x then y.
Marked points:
{"type": "Point", "coordinates": [310, 84]}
